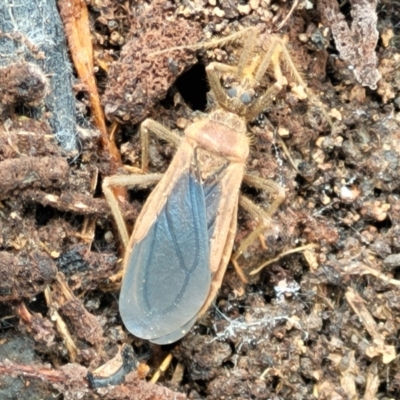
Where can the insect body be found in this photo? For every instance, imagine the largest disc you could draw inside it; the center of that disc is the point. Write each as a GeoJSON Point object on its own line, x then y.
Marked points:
{"type": "Point", "coordinates": [193, 210]}
{"type": "Point", "coordinates": [182, 241]}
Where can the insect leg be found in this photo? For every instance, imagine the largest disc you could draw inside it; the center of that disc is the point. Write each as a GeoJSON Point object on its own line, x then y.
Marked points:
{"type": "Point", "coordinates": [288, 60]}
{"type": "Point", "coordinates": [263, 101]}
{"type": "Point", "coordinates": [248, 51]}
{"type": "Point", "coordinates": [275, 53]}
{"type": "Point", "coordinates": [290, 64]}
{"type": "Point", "coordinates": [273, 44]}
{"type": "Point", "coordinates": [213, 70]}
{"type": "Point", "coordinates": [150, 126]}
{"type": "Point", "coordinates": [137, 180]}
{"type": "Point", "coordinates": [262, 216]}
{"type": "Point", "coordinates": [134, 180]}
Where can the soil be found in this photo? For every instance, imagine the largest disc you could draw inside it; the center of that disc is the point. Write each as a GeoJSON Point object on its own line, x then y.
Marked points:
{"type": "Point", "coordinates": [317, 317]}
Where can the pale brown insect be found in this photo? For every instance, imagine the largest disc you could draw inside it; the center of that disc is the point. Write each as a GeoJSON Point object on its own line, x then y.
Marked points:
{"type": "Point", "coordinates": [178, 252]}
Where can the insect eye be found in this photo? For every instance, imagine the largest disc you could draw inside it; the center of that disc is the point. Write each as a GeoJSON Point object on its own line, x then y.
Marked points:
{"type": "Point", "coordinates": [232, 92]}
{"type": "Point", "coordinates": [246, 98]}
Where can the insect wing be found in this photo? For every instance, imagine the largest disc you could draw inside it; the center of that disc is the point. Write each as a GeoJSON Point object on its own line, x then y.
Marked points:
{"type": "Point", "coordinates": [167, 278]}
{"type": "Point", "coordinates": [177, 334]}
{"type": "Point", "coordinates": [213, 196]}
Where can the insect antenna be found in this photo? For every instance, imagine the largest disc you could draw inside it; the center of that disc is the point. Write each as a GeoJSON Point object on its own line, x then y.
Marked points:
{"type": "Point", "coordinates": [214, 42]}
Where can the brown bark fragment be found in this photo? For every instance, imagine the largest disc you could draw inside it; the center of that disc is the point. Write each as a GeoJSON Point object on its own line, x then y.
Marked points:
{"type": "Point", "coordinates": [25, 275]}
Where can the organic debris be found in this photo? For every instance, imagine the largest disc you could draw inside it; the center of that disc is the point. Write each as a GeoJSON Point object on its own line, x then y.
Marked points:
{"type": "Point", "coordinates": [357, 44]}
{"type": "Point", "coordinates": [320, 319]}
{"type": "Point", "coordinates": [139, 79]}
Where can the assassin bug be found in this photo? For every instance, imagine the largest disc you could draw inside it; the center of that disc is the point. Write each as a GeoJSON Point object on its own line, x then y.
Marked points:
{"type": "Point", "coordinates": [182, 241]}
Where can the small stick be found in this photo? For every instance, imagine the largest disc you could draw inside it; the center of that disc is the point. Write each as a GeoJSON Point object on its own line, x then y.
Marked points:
{"type": "Point", "coordinates": [280, 26]}
{"type": "Point", "coordinates": [162, 368]}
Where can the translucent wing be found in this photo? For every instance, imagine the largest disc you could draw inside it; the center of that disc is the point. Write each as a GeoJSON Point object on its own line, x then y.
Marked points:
{"type": "Point", "coordinates": [167, 278]}
{"type": "Point", "coordinates": [212, 195]}
{"type": "Point", "coordinates": [176, 335]}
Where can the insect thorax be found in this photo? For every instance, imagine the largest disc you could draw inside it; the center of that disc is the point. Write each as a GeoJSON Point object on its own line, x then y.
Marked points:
{"type": "Point", "coordinates": [209, 164]}
{"type": "Point", "coordinates": [221, 135]}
